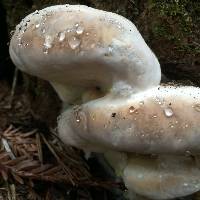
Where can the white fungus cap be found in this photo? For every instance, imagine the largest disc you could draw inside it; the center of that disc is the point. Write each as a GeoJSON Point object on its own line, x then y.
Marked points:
{"type": "Point", "coordinates": [77, 48]}
{"type": "Point", "coordinates": [100, 60]}
{"type": "Point", "coordinates": [157, 176]}
{"type": "Point", "coordinates": [161, 121]}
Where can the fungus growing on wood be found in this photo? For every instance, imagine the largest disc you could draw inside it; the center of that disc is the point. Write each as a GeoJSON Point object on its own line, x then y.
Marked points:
{"type": "Point", "coordinates": [99, 60]}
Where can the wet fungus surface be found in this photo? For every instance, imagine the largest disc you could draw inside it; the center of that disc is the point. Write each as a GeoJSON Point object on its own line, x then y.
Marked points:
{"type": "Point", "coordinates": [109, 80]}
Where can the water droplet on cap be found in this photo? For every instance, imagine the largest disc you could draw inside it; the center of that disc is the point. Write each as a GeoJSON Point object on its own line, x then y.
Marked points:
{"type": "Point", "coordinates": [48, 41]}
{"type": "Point", "coordinates": [188, 153]}
{"type": "Point", "coordinates": [141, 103]}
{"type": "Point", "coordinates": [132, 110]}
{"type": "Point", "coordinates": [74, 42]}
{"type": "Point", "coordinates": [110, 49]}
{"type": "Point", "coordinates": [79, 30]}
{"type": "Point", "coordinates": [78, 119]}
{"type": "Point", "coordinates": [168, 112]}
{"type": "Point", "coordinates": [119, 26]}
{"type": "Point", "coordinates": [159, 100]}
{"type": "Point", "coordinates": [171, 125]}
{"type": "Point", "coordinates": [20, 41]}
{"type": "Point", "coordinates": [45, 51]}
{"type": "Point", "coordinates": [180, 140]}
{"type": "Point", "coordinates": [61, 36]}
{"type": "Point", "coordinates": [26, 44]}
{"type": "Point", "coordinates": [37, 25]}
{"type": "Point", "coordinates": [43, 30]}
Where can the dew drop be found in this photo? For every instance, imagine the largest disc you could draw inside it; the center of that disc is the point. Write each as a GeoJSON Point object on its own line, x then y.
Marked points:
{"type": "Point", "coordinates": [188, 153]}
{"type": "Point", "coordinates": [109, 52]}
{"type": "Point", "coordinates": [37, 25]}
{"type": "Point", "coordinates": [20, 41]}
{"type": "Point", "coordinates": [61, 36]}
{"type": "Point", "coordinates": [171, 125]}
{"type": "Point", "coordinates": [78, 119]}
{"type": "Point", "coordinates": [168, 112]}
{"type": "Point", "coordinates": [79, 30]}
{"type": "Point", "coordinates": [197, 107]}
{"type": "Point", "coordinates": [119, 26]}
{"type": "Point", "coordinates": [185, 184]}
{"type": "Point", "coordinates": [141, 103]}
{"type": "Point", "coordinates": [48, 41]}
{"type": "Point", "coordinates": [43, 30]}
{"type": "Point", "coordinates": [160, 101]}
{"type": "Point", "coordinates": [132, 110]}
{"type": "Point", "coordinates": [93, 117]}
{"type": "Point", "coordinates": [74, 42]}
{"type": "Point", "coordinates": [110, 49]}
{"type": "Point", "coordinates": [26, 44]}
{"type": "Point", "coordinates": [45, 51]}
{"type": "Point", "coordinates": [180, 140]}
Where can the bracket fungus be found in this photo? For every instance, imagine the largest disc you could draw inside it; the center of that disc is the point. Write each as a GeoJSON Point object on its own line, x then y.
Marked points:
{"type": "Point", "coordinates": [99, 62]}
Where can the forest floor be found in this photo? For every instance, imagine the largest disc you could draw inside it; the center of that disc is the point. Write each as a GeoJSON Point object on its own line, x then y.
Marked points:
{"type": "Point", "coordinates": [35, 165]}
